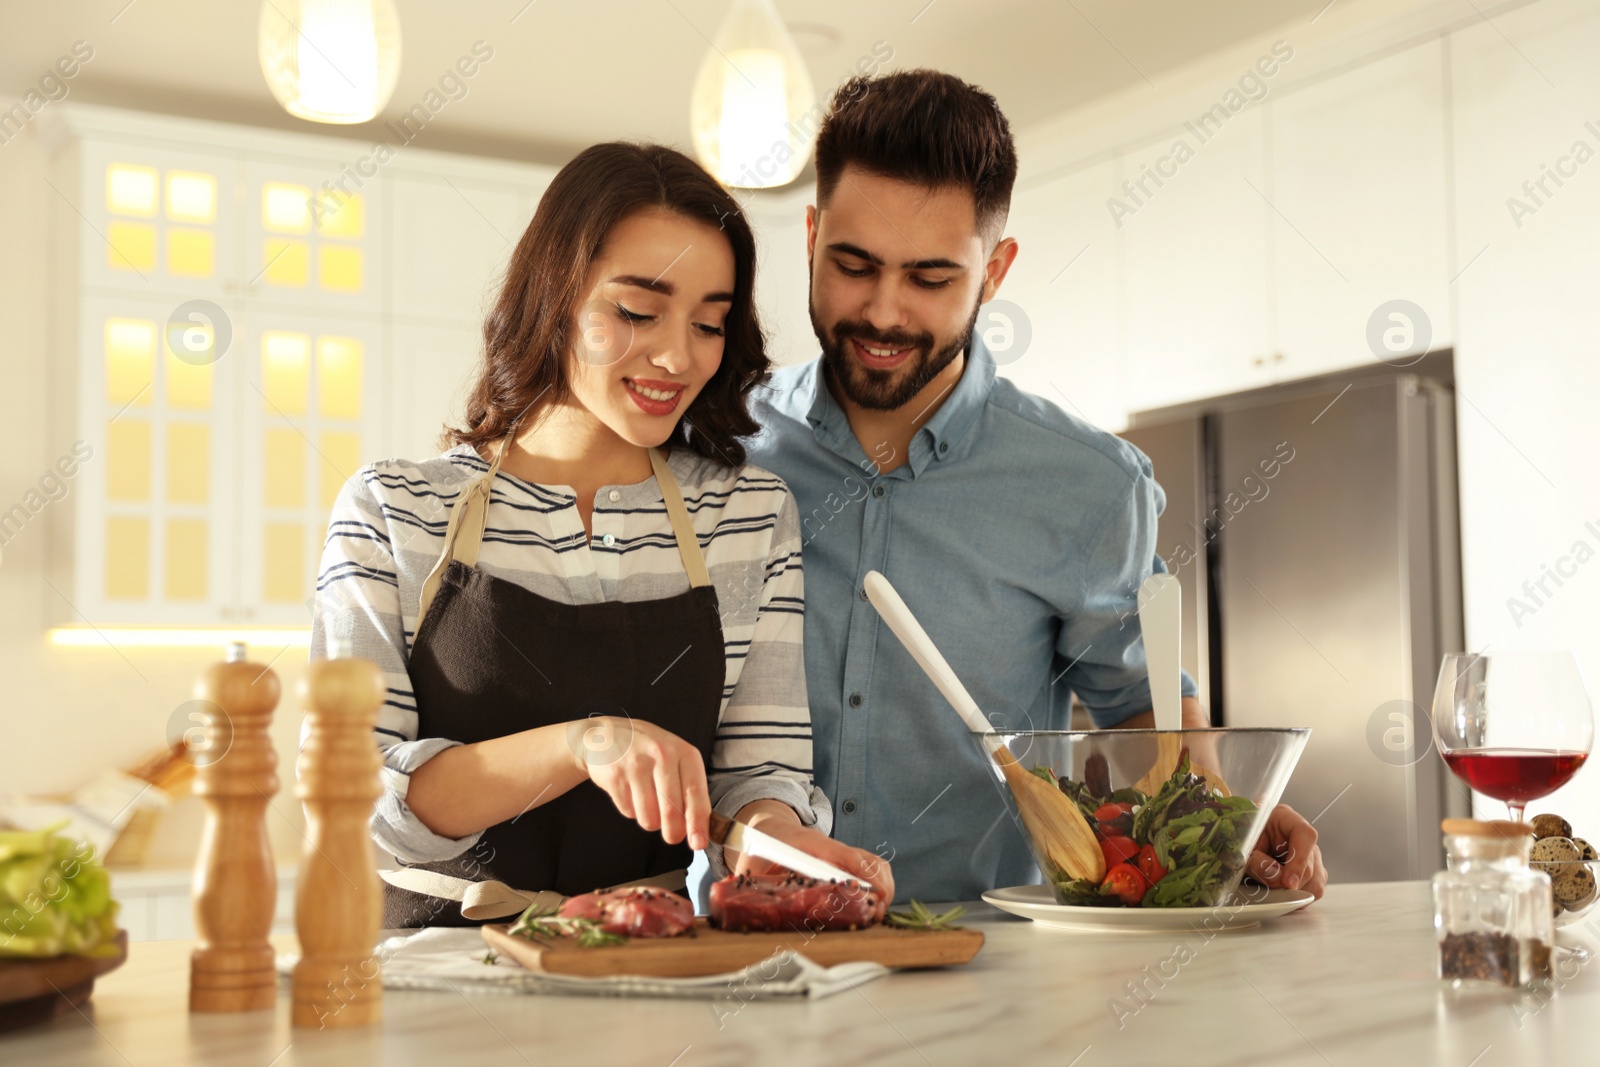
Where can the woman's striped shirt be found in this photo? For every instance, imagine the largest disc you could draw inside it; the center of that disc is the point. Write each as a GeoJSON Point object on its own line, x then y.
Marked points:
{"type": "Point", "coordinates": [387, 530]}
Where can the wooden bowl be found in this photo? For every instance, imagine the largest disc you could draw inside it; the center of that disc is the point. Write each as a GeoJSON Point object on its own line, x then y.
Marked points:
{"type": "Point", "coordinates": [34, 991]}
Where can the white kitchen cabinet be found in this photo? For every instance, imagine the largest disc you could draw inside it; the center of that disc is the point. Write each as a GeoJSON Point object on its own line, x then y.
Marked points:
{"type": "Point", "coordinates": [155, 517]}
{"type": "Point", "coordinates": [783, 282]}
{"type": "Point", "coordinates": [452, 240]}
{"type": "Point", "coordinates": [307, 243]}
{"type": "Point", "coordinates": [435, 365]}
{"type": "Point", "coordinates": [1064, 281]}
{"type": "Point", "coordinates": [1195, 264]}
{"type": "Point", "coordinates": [243, 323]}
{"type": "Point", "coordinates": [150, 293]}
{"type": "Point", "coordinates": [1527, 151]}
{"type": "Point", "coordinates": [153, 219]}
{"type": "Point", "coordinates": [188, 262]}
{"type": "Point", "coordinates": [157, 905]}
{"type": "Point", "coordinates": [1527, 363]}
{"type": "Point", "coordinates": [1359, 168]}
{"type": "Point", "coordinates": [311, 413]}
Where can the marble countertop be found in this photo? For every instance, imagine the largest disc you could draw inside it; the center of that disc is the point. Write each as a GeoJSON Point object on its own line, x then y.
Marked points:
{"type": "Point", "coordinates": [1348, 980]}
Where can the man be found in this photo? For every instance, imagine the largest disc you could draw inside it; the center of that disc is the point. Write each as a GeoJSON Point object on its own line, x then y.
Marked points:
{"type": "Point", "coordinates": [1017, 534]}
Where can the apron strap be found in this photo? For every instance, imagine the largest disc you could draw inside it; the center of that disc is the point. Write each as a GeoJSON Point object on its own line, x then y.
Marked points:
{"type": "Point", "coordinates": [467, 521]}
{"type": "Point", "coordinates": [694, 561]}
{"type": "Point", "coordinates": [496, 900]}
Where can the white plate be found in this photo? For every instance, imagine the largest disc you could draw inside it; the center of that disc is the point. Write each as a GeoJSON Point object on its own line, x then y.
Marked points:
{"type": "Point", "coordinates": [1037, 903]}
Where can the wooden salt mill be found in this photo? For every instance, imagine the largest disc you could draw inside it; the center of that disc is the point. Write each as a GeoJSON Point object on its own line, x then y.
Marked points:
{"type": "Point", "coordinates": [235, 881]}
{"type": "Point", "coordinates": [339, 900]}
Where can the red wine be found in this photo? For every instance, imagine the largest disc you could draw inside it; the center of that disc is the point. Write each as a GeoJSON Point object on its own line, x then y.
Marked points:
{"type": "Point", "coordinates": [1514, 775]}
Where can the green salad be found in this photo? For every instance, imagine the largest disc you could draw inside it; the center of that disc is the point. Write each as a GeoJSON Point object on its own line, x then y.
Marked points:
{"type": "Point", "coordinates": [1176, 849]}
{"type": "Point", "coordinates": [55, 898]}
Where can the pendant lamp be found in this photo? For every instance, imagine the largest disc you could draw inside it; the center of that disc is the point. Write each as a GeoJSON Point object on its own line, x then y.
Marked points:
{"type": "Point", "coordinates": [333, 61]}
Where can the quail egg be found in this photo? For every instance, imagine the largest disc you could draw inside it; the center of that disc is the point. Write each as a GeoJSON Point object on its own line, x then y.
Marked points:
{"type": "Point", "coordinates": [1585, 850]}
{"type": "Point", "coordinates": [1574, 886]}
{"type": "Point", "coordinates": [1550, 825]}
{"type": "Point", "coordinates": [1550, 851]}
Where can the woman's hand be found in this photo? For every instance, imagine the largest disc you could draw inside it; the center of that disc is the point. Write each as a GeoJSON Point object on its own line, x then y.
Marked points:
{"type": "Point", "coordinates": [779, 820]}
{"type": "Point", "coordinates": [653, 776]}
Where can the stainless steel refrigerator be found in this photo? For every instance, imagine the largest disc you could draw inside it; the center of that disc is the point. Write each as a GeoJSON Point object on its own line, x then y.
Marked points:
{"type": "Point", "coordinates": [1313, 527]}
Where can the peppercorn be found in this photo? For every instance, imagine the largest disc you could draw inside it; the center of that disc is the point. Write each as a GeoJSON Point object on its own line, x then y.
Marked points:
{"type": "Point", "coordinates": [1487, 957]}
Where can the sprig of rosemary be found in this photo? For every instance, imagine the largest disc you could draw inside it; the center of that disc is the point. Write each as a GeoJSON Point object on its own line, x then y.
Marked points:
{"type": "Point", "coordinates": [546, 924]}
{"type": "Point", "coordinates": [920, 918]}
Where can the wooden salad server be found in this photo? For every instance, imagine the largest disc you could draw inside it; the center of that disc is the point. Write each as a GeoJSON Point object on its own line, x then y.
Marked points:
{"type": "Point", "coordinates": [1052, 819]}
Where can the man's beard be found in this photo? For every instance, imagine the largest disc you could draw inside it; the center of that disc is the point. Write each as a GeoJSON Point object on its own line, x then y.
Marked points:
{"type": "Point", "coordinates": [885, 390]}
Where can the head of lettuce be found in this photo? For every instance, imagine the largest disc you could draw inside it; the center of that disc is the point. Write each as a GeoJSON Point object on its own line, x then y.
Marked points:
{"type": "Point", "coordinates": [55, 898]}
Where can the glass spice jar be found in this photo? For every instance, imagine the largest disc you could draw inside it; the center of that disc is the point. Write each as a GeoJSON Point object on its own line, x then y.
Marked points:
{"type": "Point", "coordinates": [1491, 911]}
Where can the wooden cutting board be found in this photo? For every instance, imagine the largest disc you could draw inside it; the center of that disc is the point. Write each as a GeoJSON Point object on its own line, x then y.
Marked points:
{"type": "Point", "coordinates": [32, 991]}
{"type": "Point", "coordinates": [711, 951]}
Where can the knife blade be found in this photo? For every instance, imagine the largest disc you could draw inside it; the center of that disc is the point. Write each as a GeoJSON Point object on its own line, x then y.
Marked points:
{"type": "Point", "coordinates": [730, 833]}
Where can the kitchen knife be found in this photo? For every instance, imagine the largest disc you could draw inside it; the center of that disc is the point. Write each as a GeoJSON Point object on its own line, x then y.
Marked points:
{"type": "Point", "coordinates": [730, 833]}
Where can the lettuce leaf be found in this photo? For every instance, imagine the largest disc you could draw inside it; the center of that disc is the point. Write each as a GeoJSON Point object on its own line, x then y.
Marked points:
{"type": "Point", "coordinates": [1083, 893]}
{"type": "Point", "coordinates": [55, 898]}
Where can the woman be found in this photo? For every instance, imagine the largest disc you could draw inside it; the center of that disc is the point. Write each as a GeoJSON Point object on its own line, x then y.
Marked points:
{"type": "Point", "coordinates": [588, 601]}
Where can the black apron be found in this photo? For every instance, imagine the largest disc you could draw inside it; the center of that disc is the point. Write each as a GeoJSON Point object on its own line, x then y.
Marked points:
{"type": "Point", "coordinates": [492, 658]}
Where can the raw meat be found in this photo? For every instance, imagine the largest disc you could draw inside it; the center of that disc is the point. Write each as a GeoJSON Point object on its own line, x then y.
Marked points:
{"type": "Point", "coordinates": [638, 911]}
{"type": "Point", "coordinates": [793, 902]}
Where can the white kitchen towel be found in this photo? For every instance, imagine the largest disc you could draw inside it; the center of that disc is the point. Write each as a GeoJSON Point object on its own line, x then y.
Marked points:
{"type": "Point", "coordinates": [452, 958]}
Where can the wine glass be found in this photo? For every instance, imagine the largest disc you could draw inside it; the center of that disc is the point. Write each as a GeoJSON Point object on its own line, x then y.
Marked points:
{"type": "Point", "coordinates": [1515, 726]}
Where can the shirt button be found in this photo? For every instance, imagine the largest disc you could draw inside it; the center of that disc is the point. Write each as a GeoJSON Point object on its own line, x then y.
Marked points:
{"type": "Point", "coordinates": [862, 592]}
{"type": "Point", "coordinates": [614, 496]}
{"type": "Point", "coordinates": [944, 446]}
{"type": "Point", "coordinates": [608, 540]}
{"type": "Point", "coordinates": [848, 807]}
{"type": "Point", "coordinates": [878, 491]}
{"type": "Point", "coordinates": [855, 700]}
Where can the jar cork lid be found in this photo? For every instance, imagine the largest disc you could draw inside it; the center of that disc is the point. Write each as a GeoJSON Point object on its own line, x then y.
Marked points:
{"type": "Point", "coordinates": [1502, 828]}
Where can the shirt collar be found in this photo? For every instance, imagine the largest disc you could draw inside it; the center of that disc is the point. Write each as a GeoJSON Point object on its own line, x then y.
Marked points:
{"type": "Point", "coordinates": [940, 437]}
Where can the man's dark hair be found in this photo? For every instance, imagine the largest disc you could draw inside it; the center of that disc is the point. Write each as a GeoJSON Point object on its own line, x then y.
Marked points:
{"type": "Point", "coordinates": [925, 127]}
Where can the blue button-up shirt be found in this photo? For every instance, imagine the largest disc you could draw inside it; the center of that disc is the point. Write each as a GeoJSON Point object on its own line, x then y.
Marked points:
{"type": "Point", "coordinates": [1018, 536]}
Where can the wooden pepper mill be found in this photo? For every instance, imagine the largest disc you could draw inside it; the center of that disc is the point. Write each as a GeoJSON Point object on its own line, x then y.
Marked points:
{"type": "Point", "coordinates": [235, 881]}
{"type": "Point", "coordinates": [339, 899]}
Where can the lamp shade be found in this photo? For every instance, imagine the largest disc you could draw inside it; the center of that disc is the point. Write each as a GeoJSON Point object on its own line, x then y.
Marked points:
{"type": "Point", "coordinates": [332, 61]}
{"type": "Point", "coordinates": [754, 111]}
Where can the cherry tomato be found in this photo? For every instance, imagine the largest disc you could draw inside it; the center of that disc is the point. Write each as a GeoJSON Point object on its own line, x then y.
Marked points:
{"type": "Point", "coordinates": [1126, 882]}
{"type": "Point", "coordinates": [1114, 820]}
{"type": "Point", "coordinates": [1150, 866]}
{"type": "Point", "coordinates": [1118, 850]}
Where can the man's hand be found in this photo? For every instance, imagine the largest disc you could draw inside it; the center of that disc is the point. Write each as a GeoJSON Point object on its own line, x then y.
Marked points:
{"type": "Point", "coordinates": [779, 820]}
{"type": "Point", "coordinates": [1195, 717]}
{"type": "Point", "coordinates": [1287, 856]}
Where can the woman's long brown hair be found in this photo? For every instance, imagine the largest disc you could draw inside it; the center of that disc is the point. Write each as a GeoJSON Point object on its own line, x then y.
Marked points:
{"type": "Point", "coordinates": [528, 336]}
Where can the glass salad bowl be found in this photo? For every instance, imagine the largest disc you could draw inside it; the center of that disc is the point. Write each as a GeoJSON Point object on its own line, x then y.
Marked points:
{"type": "Point", "coordinates": [1174, 813]}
